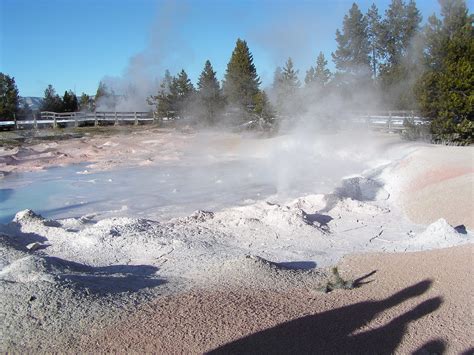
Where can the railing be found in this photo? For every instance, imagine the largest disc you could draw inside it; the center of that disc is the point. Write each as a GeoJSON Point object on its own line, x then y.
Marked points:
{"type": "Point", "coordinates": [54, 119]}
{"type": "Point", "coordinates": [390, 120]}
{"type": "Point", "coordinates": [384, 120]}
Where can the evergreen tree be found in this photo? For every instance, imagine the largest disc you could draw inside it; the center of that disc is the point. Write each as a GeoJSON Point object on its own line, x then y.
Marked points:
{"type": "Point", "coordinates": [51, 101]}
{"type": "Point", "coordinates": [105, 97]}
{"type": "Point", "coordinates": [85, 103]}
{"type": "Point", "coordinates": [322, 74]}
{"type": "Point", "coordinates": [181, 93]}
{"type": "Point", "coordinates": [263, 107]}
{"type": "Point", "coordinates": [399, 70]}
{"type": "Point", "coordinates": [102, 91]}
{"type": "Point", "coordinates": [209, 94]}
{"type": "Point", "coordinates": [352, 54]}
{"type": "Point", "coordinates": [290, 79]}
{"type": "Point", "coordinates": [70, 103]}
{"type": "Point", "coordinates": [241, 82]}
{"type": "Point", "coordinates": [277, 78]}
{"type": "Point", "coordinates": [446, 89]}
{"type": "Point", "coordinates": [287, 81]}
{"type": "Point", "coordinates": [9, 99]}
{"type": "Point", "coordinates": [374, 29]}
{"type": "Point", "coordinates": [400, 25]}
{"type": "Point", "coordinates": [164, 102]}
{"type": "Point", "coordinates": [309, 78]}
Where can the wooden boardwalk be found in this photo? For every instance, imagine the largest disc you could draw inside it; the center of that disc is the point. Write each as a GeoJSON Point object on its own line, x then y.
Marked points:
{"type": "Point", "coordinates": [76, 119]}
{"type": "Point", "coordinates": [387, 120]}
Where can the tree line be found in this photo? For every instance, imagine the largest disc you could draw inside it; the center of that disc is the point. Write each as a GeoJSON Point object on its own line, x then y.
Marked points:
{"type": "Point", "coordinates": [389, 56]}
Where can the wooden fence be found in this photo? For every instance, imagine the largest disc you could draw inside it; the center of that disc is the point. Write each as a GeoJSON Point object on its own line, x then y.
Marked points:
{"type": "Point", "coordinates": [76, 119]}
{"type": "Point", "coordinates": [384, 120]}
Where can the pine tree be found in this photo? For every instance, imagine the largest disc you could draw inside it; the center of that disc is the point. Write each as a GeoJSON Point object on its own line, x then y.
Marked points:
{"type": "Point", "coordinates": [322, 74]}
{"type": "Point", "coordinates": [309, 78]}
{"type": "Point", "coordinates": [85, 102]}
{"type": "Point", "coordinates": [352, 54]}
{"type": "Point", "coordinates": [290, 79]}
{"type": "Point", "coordinates": [277, 78]}
{"type": "Point", "coordinates": [209, 94]}
{"type": "Point", "coordinates": [241, 82]}
{"type": "Point", "coordinates": [374, 28]}
{"type": "Point", "coordinates": [400, 25]}
{"type": "Point", "coordinates": [446, 89]}
{"type": "Point", "coordinates": [164, 101]}
{"type": "Point", "coordinates": [398, 69]}
{"type": "Point", "coordinates": [263, 107]}
{"type": "Point", "coordinates": [9, 99]}
{"type": "Point", "coordinates": [51, 101]}
{"type": "Point", "coordinates": [105, 98]}
{"type": "Point", "coordinates": [181, 93]}
{"type": "Point", "coordinates": [70, 103]}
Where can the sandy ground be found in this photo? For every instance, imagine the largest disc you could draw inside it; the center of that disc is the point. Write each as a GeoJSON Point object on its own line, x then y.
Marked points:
{"type": "Point", "coordinates": [404, 303]}
{"type": "Point", "coordinates": [438, 176]}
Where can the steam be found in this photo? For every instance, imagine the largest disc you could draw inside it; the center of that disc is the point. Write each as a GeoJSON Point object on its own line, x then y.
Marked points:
{"type": "Point", "coordinates": [166, 49]}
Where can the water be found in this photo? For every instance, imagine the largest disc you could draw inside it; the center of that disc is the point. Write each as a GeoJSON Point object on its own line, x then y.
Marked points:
{"type": "Point", "coordinates": [167, 190]}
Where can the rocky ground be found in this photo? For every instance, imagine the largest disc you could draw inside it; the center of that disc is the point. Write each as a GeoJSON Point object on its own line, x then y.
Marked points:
{"type": "Point", "coordinates": [250, 278]}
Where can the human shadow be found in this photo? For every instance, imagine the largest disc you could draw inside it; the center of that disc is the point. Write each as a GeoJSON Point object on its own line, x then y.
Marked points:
{"type": "Point", "coordinates": [104, 279]}
{"type": "Point", "coordinates": [436, 346]}
{"type": "Point", "coordinates": [331, 332]}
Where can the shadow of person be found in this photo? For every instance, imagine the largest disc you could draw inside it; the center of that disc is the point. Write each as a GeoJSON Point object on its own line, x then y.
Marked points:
{"type": "Point", "coordinates": [331, 332]}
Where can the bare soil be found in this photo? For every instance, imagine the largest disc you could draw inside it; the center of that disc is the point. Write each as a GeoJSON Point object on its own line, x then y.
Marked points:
{"type": "Point", "coordinates": [405, 303]}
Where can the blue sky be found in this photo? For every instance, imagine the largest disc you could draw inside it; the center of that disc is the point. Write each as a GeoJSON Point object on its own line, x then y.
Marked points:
{"type": "Point", "coordinates": [74, 44]}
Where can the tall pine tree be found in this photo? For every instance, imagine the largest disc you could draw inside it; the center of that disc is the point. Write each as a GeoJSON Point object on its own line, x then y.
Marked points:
{"type": "Point", "coordinates": [290, 79]}
{"type": "Point", "coordinates": [241, 82]}
{"type": "Point", "coordinates": [398, 70]}
{"type": "Point", "coordinates": [210, 100]}
{"type": "Point", "coordinates": [70, 103]}
{"type": "Point", "coordinates": [374, 29]}
{"type": "Point", "coordinates": [322, 74]}
{"type": "Point", "coordinates": [51, 101]}
{"type": "Point", "coordinates": [446, 89]}
{"type": "Point", "coordinates": [9, 99]}
{"type": "Point", "coordinates": [181, 93]}
{"type": "Point", "coordinates": [352, 53]}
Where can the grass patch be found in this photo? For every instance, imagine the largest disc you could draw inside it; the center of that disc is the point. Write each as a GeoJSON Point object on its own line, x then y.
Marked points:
{"type": "Point", "coordinates": [336, 282]}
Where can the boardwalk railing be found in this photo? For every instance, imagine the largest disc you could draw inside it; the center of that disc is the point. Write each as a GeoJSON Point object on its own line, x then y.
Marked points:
{"type": "Point", "coordinates": [389, 120]}
{"type": "Point", "coordinates": [385, 120]}
{"type": "Point", "coordinates": [76, 119]}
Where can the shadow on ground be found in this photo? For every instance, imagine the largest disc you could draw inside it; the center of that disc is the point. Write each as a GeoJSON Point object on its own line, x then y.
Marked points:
{"type": "Point", "coordinates": [332, 332]}
{"type": "Point", "coordinates": [106, 279]}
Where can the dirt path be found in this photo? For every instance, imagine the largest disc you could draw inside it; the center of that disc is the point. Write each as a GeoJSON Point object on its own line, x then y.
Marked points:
{"type": "Point", "coordinates": [405, 303]}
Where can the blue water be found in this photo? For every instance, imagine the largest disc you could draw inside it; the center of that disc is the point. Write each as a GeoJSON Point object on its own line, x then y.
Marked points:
{"type": "Point", "coordinates": [169, 190]}
{"type": "Point", "coordinates": [152, 192]}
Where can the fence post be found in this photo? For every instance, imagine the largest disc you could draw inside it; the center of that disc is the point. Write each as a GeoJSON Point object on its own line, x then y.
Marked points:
{"type": "Point", "coordinates": [96, 122]}
{"type": "Point", "coordinates": [35, 122]}
{"type": "Point", "coordinates": [389, 120]}
{"type": "Point", "coordinates": [136, 119]}
{"type": "Point", "coordinates": [116, 119]}
{"type": "Point", "coordinates": [16, 122]}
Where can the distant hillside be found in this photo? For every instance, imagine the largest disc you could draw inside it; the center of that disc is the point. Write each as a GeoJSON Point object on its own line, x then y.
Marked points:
{"type": "Point", "coordinates": [33, 102]}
